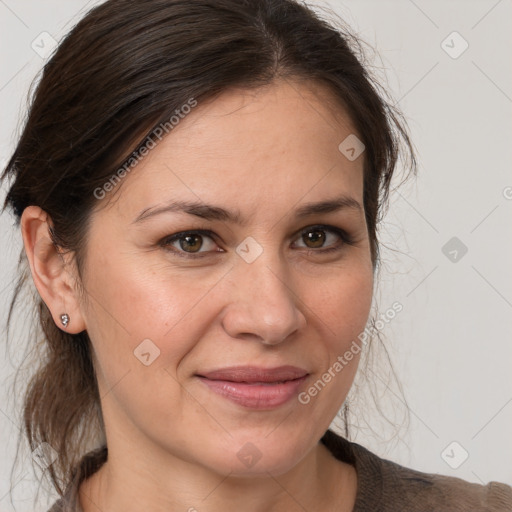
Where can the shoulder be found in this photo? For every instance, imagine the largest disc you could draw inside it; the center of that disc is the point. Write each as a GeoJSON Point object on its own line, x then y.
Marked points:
{"type": "Point", "coordinates": [386, 486]}
{"type": "Point", "coordinates": [420, 491]}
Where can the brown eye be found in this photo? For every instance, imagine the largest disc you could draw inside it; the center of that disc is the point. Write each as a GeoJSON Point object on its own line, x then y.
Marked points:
{"type": "Point", "coordinates": [191, 243]}
{"type": "Point", "coordinates": [324, 239]}
{"type": "Point", "coordinates": [315, 237]}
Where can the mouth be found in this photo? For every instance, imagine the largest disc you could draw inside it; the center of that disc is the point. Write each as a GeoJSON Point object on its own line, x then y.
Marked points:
{"type": "Point", "coordinates": [254, 374]}
{"type": "Point", "coordinates": [253, 387]}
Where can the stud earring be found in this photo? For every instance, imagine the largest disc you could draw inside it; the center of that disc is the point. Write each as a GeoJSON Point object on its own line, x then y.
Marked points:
{"type": "Point", "coordinates": [64, 318]}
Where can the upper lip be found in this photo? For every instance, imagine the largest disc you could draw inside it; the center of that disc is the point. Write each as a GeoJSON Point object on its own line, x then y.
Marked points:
{"type": "Point", "coordinates": [255, 374]}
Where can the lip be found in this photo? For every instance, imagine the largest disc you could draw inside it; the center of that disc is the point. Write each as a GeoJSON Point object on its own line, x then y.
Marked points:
{"type": "Point", "coordinates": [254, 387]}
{"type": "Point", "coordinates": [252, 374]}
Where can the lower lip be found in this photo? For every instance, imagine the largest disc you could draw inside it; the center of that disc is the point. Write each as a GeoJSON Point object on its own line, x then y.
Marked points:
{"type": "Point", "coordinates": [256, 396]}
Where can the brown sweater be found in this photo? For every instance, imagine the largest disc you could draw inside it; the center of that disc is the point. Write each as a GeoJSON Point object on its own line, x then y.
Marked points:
{"type": "Point", "coordinates": [382, 486]}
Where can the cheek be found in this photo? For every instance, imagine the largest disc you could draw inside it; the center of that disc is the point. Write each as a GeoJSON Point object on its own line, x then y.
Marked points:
{"type": "Point", "coordinates": [344, 304]}
{"type": "Point", "coordinates": [138, 299]}
{"type": "Point", "coordinates": [139, 320]}
{"type": "Point", "coordinates": [141, 326]}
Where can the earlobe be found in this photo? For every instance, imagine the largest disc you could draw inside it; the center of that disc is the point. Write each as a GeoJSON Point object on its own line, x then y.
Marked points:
{"type": "Point", "coordinates": [49, 271]}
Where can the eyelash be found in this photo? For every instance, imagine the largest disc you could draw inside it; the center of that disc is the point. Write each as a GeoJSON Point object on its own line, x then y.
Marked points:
{"type": "Point", "coordinates": [168, 240]}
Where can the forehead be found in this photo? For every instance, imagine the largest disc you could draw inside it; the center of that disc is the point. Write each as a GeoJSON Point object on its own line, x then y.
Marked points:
{"type": "Point", "coordinates": [275, 144]}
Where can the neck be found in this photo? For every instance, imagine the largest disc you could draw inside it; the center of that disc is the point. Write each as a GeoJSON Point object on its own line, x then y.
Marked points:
{"type": "Point", "coordinates": [133, 480]}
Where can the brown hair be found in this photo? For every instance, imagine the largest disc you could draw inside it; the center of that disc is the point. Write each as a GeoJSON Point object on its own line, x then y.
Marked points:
{"type": "Point", "coordinates": [124, 69]}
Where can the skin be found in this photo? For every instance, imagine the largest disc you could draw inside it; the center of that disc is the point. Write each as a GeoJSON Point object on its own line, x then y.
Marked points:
{"type": "Point", "coordinates": [172, 442]}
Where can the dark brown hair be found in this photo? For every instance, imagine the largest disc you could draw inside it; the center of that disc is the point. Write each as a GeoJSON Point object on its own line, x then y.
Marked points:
{"type": "Point", "coordinates": [121, 71]}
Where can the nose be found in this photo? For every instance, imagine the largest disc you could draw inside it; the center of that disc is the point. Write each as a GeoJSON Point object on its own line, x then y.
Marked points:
{"type": "Point", "coordinates": [262, 304]}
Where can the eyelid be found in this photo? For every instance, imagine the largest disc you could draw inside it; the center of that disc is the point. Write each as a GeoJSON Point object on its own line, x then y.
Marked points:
{"type": "Point", "coordinates": [341, 233]}
{"type": "Point", "coordinates": [168, 240]}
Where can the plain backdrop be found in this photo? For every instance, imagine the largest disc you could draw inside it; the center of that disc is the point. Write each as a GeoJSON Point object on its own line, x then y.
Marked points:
{"type": "Point", "coordinates": [448, 235]}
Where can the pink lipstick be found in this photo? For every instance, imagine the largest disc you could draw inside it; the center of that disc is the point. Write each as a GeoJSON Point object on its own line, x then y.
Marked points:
{"type": "Point", "coordinates": [256, 388]}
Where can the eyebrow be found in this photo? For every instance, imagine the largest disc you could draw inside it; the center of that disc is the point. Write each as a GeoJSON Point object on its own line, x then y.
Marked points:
{"type": "Point", "coordinates": [211, 212]}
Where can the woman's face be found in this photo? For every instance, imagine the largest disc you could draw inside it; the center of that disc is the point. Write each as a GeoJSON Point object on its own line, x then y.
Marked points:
{"type": "Point", "coordinates": [255, 288]}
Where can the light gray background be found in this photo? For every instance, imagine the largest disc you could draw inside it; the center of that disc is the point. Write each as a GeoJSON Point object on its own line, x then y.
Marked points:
{"type": "Point", "coordinates": [451, 344]}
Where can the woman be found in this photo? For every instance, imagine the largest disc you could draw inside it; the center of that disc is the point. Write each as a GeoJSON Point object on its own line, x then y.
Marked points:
{"type": "Point", "coordinates": [199, 186]}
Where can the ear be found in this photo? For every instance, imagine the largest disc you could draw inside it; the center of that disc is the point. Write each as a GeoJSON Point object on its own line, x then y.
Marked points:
{"type": "Point", "coordinates": [50, 272]}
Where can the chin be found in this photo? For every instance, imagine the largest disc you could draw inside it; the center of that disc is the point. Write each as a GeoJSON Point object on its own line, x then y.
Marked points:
{"type": "Point", "coordinates": [257, 455]}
